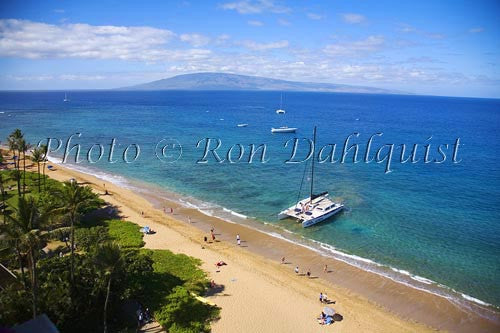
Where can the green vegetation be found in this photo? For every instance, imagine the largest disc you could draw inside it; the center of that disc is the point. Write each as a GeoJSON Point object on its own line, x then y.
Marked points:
{"type": "Point", "coordinates": [125, 234]}
{"type": "Point", "coordinates": [84, 271]}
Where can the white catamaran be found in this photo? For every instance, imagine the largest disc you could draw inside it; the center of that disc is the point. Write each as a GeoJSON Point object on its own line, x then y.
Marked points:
{"type": "Point", "coordinates": [316, 208]}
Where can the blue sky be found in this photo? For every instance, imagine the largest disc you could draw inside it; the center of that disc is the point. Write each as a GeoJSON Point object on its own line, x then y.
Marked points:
{"type": "Point", "coordinates": [426, 47]}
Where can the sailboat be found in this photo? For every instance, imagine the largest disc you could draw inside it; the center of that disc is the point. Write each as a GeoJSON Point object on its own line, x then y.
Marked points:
{"type": "Point", "coordinates": [315, 208]}
{"type": "Point", "coordinates": [280, 110]}
{"type": "Point", "coordinates": [65, 98]}
{"type": "Point", "coordinates": [282, 129]}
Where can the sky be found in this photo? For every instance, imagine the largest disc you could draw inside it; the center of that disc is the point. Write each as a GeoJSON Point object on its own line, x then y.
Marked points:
{"type": "Point", "coordinates": [449, 48]}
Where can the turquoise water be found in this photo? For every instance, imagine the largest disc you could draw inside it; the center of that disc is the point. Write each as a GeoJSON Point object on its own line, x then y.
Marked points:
{"type": "Point", "coordinates": [434, 221]}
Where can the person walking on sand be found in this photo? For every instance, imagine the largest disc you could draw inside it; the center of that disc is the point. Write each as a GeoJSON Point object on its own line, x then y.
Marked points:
{"type": "Point", "coordinates": [282, 260]}
{"type": "Point", "coordinates": [189, 219]}
{"type": "Point", "coordinates": [238, 242]}
{"type": "Point", "coordinates": [171, 210]}
{"type": "Point", "coordinates": [325, 269]}
{"type": "Point", "coordinates": [296, 269]}
{"type": "Point", "coordinates": [237, 237]}
{"type": "Point", "coordinates": [213, 237]}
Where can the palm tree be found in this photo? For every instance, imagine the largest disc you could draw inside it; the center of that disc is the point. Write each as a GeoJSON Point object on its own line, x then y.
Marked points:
{"type": "Point", "coordinates": [3, 205]}
{"type": "Point", "coordinates": [25, 230]}
{"type": "Point", "coordinates": [23, 148]}
{"type": "Point", "coordinates": [43, 149]}
{"type": "Point", "coordinates": [110, 261]}
{"type": "Point", "coordinates": [14, 141]}
{"type": "Point", "coordinates": [74, 197]}
{"type": "Point", "coordinates": [12, 238]}
{"type": "Point", "coordinates": [37, 157]}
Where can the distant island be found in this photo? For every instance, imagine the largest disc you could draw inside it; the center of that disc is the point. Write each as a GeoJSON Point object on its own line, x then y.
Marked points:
{"type": "Point", "coordinates": [224, 81]}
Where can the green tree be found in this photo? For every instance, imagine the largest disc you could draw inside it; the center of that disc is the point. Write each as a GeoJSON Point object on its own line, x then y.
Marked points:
{"type": "Point", "coordinates": [89, 238]}
{"type": "Point", "coordinates": [37, 156]}
{"type": "Point", "coordinates": [74, 199]}
{"type": "Point", "coordinates": [14, 141]}
{"type": "Point", "coordinates": [110, 261]}
{"type": "Point", "coordinates": [3, 193]}
{"type": "Point", "coordinates": [43, 150]}
{"type": "Point", "coordinates": [24, 146]}
{"type": "Point", "coordinates": [25, 230]}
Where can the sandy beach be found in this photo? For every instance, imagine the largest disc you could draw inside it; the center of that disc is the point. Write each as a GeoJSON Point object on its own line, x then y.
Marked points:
{"type": "Point", "coordinates": [257, 293]}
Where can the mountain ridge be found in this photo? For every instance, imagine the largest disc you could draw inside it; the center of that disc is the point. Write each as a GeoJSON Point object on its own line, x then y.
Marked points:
{"type": "Point", "coordinates": [227, 81]}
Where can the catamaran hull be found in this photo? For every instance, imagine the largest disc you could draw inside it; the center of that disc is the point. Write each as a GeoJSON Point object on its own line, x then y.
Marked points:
{"type": "Point", "coordinates": [321, 218]}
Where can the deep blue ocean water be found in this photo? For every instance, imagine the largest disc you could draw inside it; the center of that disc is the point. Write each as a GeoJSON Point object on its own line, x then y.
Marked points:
{"type": "Point", "coordinates": [436, 222]}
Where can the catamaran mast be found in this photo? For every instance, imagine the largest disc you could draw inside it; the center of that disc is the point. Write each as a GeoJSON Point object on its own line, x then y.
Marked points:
{"type": "Point", "coordinates": [312, 166]}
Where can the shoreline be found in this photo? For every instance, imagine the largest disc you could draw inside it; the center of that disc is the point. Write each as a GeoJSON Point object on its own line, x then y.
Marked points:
{"type": "Point", "coordinates": [401, 303]}
{"type": "Point", "coordinates": [406, 275]}
{"type": "Point", "coordinates": [404, 301]}
{"type": "Point", "coordinates": [159, 196]}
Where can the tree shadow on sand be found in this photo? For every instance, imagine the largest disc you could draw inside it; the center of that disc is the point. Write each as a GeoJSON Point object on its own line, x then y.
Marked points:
{"type": "Point", "coordinates": [218, 289]}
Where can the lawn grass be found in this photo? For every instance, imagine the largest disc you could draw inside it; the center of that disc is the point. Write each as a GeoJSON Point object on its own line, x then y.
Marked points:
{"type": "Point", "coordinates": [126, 234]}
{"type": "Point", "coordinates": [178, 310]}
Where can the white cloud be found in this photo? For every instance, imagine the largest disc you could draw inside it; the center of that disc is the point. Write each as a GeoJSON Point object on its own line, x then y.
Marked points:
{"type": "Point", "coordinates": [476, 30]}
{"type": "Point", "coordinates": [356, 48]}
{"type": "Point", "coordinates": [353, 18]}
{"type": "Point", "coordinates": [33, 40]}
{"type": "Point", "coordinates": [406, 28]}
{"type": "Point", "coordinates": [196, 40]}
{"type": "Point", "coordinates": [254, 46]}
{"type": "Point", "coordinates": [62, 77]}
{"type": "Point", "coordinates": [314, 16]}
{"type": "Point", "coordinates": [222, 39]}
{"type": "Point", "coordinates": [255, 23]}
{"type": "Point", "coordinates": [256, 7]}
{"type": "Point", "coordinates": [283, 22]}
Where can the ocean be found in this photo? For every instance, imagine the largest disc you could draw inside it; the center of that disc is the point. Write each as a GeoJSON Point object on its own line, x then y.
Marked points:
{"type": "Point", "coordinates": [433, 224]}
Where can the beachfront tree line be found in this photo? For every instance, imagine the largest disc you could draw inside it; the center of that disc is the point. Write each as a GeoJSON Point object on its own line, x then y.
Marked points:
{"type": "Point", "coordinates": [67, 265]}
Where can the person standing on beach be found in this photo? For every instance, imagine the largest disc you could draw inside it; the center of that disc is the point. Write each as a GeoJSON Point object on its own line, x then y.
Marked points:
{"type": "Point", "coordinates": [237, 237]}
{"type": "Point", "coordinates": [296, 269]}
{"type": "Point", "coordinates": [321, 297]}
{"type": "Point", "coordinates": [189, 219]}
{"type": "Point", "coordinates": [282, 260]}
{"type": "Point", "coordinates": [238, 242]}
{"type": "Point", "coordinates": [171, 210]}
{"type": "Point", "coordinates": [325, 269]}
{"type": "Point", "coordinates": [213, 237]}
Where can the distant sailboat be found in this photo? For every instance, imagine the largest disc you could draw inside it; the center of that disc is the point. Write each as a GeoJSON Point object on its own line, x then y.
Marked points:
{"type": "Point", "coordinates": [242, 125]}
{"type": "Point", "coordinates": [280, 110]}
{"type": "Point", "coordinates": [282, 129]}
{"type": "Point", "coordinates": [65, 98]}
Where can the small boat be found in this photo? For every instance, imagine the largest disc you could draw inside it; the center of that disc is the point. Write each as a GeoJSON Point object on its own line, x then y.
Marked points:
{"type": "Point", "coordinates": [280, 110]}
{"type": "Point", "coordinates": [316, 208]}
{"type": "Point", "coordinates": [242, 125]}
{"type": "Point", "coordinates": [284, 129]}
{"type": "Point", "coordinates": [65, 98]}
